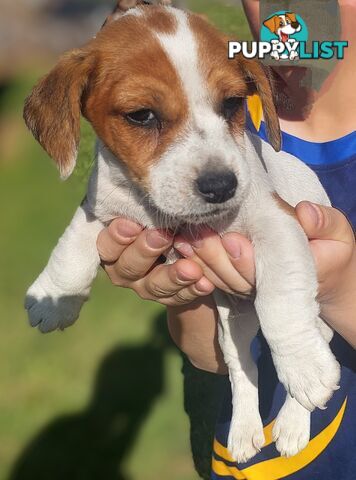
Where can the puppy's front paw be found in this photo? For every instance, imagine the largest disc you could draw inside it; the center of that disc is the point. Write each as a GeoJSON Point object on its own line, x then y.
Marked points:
{"type": "Point", "coordinates": [291, 431]}
{"type": "Point", "coordinates": [311, 375]}
{"type": "Point", "coordinates": [246, 437]}
{"type": "Point", "coordinates": [50, 310]}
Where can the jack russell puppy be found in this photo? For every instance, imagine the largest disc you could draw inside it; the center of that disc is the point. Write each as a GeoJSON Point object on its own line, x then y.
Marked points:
{"type": "Point", "coordinates": [168, 108]}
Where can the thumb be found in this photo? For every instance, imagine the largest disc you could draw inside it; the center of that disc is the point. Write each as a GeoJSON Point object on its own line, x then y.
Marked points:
{"type": "Point", "coordinates": [324, 223]}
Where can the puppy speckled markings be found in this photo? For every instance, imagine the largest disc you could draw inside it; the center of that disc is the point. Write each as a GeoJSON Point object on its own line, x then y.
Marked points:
{"type": "Point", "coordinates": [168, 108]}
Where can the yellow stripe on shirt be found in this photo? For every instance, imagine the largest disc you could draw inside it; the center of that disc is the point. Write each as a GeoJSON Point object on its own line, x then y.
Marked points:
{"type": "Point", "coordinates": [280, 467]}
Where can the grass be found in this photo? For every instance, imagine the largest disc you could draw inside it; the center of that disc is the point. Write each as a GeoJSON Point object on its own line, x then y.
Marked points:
{"type": "Point", "coordinates": [226, 17]}
{"type": "Point", "coordinates": [104, 399]}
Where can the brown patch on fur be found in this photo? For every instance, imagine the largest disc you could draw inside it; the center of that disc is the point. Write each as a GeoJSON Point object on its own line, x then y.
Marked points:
{"type": "Point", "coordinates": [234, 78]}
{"type": "Point", "coordinates": [222, 78]}
{"type": "Point", "coordinates": [111, 76]}
{"type": "Point", "coordinates": [161, 21]}
{"type": "Point", "coordinates": [52, 111]}
{"type": "Point", "coordinates": [283, 205]}
{"type": "Point", "coordinates": [131, 76]}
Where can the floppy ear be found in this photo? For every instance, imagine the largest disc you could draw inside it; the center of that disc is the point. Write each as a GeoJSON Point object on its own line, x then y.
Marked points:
{"type": "Point", "coordinates": [52, 111]}
{"type": "Point", "coordinates": [271, 24]}
{"type": "Point", "coordinates": [259, 81]}
{"type": "Point", "coordinates": [292, 17]}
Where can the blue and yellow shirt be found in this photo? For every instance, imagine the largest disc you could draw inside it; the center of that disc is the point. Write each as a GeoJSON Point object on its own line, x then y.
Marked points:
{"type": "Point", "coordinates": [331, 452]}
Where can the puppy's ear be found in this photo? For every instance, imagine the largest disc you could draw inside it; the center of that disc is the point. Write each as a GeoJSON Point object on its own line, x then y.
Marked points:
{"type": "Point", "coordinates": [259, 81]}
{"type": "Point", "coordinates": [271, 24]}
{"type": "Point", "coordinates": [123, 6]}
{"type": "Point", "coordinates": [292, 17]}
{"type": "Point", "coordinates": [52, 111]}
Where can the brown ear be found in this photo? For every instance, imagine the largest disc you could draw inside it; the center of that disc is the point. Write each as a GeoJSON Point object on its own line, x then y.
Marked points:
{"type": "Point", "coordinates": [271, 24]}
{"type": "Point", "coordinates": [52, 111]}
{"type": "Point", "coordinates": [292, 17]}
{"type": "Point", "coordinates": [259, 81]}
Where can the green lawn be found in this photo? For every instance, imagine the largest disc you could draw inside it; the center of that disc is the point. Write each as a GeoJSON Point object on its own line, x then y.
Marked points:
{"type": "Point", "coordinates": [104, 399]}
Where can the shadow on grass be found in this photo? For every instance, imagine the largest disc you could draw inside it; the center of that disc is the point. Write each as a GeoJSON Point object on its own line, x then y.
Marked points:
{"type": "Point", "coordinates": [93, 444]}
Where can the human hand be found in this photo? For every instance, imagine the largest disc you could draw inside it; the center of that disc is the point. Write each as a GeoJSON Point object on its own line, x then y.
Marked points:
{"type": "Point", "coordinates": [228, 262]}
{"type": "Point", "coordinates": [332, 241]}
{"type": "Point", "coordinates": [130, 256]}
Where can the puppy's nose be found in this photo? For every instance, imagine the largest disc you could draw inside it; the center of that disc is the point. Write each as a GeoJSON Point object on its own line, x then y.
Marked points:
{"type": "Point", "coordinates": [217, 187]}
{"type": "Point", "coordinates": [295, 24]}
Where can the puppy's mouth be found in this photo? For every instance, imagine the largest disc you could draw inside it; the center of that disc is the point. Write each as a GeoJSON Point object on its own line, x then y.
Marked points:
{"type": "Point", "coordinates": [200, 218]}
{"type": "Point", "coordinates": [284, 37]}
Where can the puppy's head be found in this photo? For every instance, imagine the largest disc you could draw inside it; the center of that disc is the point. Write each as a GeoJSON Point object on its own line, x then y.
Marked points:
{"type": "Point", "coordinates": [161, 94]}
{"type": "Point", "coordinates": [286, 24]}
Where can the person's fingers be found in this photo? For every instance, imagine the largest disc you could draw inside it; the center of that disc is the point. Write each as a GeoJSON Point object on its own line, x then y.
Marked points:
{"type": "Point", "coordinates": [167, 280]}
{"type": "Point", "coordinates": [186, 250]}
{"type": "Point", "coordinates": [179, 283]}
{"type": "Point", "coordinates": [113, 240]}
{"type": "Point", "coordinates": [137, 259]}
{"type": "Point", "coordinates": [209, 252]}
{"type": "Point", "coordinates": [324, 223]}
{"type": "Point", "coordinates": [331, 238]}
{"type": "Point", "coordinates": [187, 295]}
{"type": "Point", "coordinates": [241, 254]}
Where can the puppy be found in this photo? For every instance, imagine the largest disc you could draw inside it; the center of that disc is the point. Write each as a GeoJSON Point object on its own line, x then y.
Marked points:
{"type": "Point", "coordinates": [168, 108]}
{"type": "Point", "coordinates": [283, 26]}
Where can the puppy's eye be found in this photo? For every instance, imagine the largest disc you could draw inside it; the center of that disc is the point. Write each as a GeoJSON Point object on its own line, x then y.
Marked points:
{"type": "Point", "coordinates": [231, 105]}
{"type": "Point", "coordinates": [143, 118]}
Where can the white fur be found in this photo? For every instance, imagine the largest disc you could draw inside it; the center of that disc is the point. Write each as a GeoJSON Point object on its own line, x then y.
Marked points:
{"type": "Point", "coordinates": [285, 303]}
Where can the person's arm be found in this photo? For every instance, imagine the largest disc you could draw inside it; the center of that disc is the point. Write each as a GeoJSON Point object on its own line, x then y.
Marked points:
{"type": "Point", "coordinates": [193, 326]}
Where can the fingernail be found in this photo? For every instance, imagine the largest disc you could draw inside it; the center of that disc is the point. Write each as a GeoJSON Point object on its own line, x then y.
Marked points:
{"type": "Point", "coordinates": [128, 229]}
{"type": "Point", "coordinates": [203, 286]}
{"type": "Point", "coordinates": [184, 248]}
{"type": "Point", "coordinates": [184, 277]}
{"type": "Point", "coordinates": [232, 247]}
{"type": "Point", "coordinates": [157, 239]}
{"type": "Point", "coordinates": [314, 213]}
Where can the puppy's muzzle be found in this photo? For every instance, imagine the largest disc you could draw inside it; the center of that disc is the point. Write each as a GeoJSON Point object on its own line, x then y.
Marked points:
{"type": "Point", "coordinates": [217, 186]}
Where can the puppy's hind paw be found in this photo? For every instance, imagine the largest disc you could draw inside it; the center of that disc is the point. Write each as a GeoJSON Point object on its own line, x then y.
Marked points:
{"type": "Point", "coordinates": [246, 438]}
{"type": "Point", "coordinates": [51, 310]}
{"type": "Point", "coordinates": [291, 430]}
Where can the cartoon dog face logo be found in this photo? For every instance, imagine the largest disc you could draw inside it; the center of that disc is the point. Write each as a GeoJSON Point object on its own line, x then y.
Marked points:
{"type": "Point", "coordinates": [283, 25]}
